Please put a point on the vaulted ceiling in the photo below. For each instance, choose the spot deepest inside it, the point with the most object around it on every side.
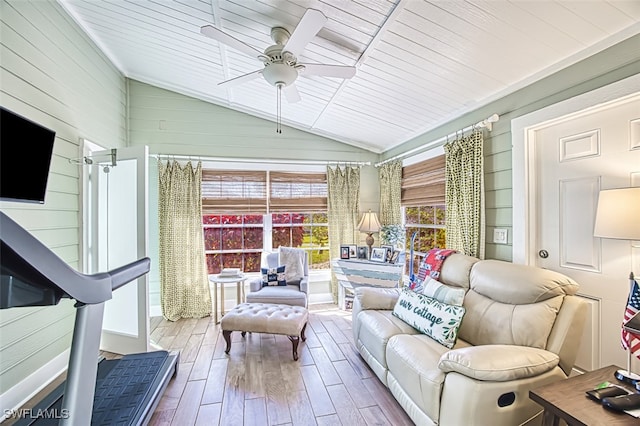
(419, 63)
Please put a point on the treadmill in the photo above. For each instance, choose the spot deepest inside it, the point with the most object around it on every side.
(122, 391)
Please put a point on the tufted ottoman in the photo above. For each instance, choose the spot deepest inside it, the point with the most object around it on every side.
(288, 320)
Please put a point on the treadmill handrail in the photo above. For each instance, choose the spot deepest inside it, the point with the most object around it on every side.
(85, 288)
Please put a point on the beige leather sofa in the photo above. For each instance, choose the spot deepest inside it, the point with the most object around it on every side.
(521, 330)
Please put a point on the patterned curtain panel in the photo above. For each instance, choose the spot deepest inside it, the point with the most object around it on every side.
(390, 175)
(464, 195)
(343, 206)
(184, 286)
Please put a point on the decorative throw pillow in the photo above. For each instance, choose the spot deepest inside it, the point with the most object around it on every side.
(443, 293)
(438, 320)
(273, 276)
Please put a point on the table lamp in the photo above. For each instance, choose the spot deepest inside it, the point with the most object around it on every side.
(369, 224)
(617, 217)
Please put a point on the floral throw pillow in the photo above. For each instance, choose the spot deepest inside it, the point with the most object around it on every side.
(438, 320)
(273, 276)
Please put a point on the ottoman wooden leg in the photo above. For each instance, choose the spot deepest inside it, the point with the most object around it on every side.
(227, 338)
(304, 339)
(294, 343)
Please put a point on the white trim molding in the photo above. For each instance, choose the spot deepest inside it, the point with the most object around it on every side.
(19, 394)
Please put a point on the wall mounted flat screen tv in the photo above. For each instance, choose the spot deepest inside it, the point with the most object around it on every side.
(25, 158)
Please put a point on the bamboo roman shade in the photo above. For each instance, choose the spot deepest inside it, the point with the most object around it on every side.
(234, 191)
(297, 192)
(423, 183)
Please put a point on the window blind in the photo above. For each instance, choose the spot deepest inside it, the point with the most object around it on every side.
(297, 192)
(423, 183)
(234, 191)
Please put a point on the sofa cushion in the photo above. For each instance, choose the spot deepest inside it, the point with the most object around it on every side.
(456, 269)
(413, 362)
(375, 330)
(273, 276)
(438, 320)
(443, 293)
(488, 322)
(498, 363)
(513, 304)
(516, 284)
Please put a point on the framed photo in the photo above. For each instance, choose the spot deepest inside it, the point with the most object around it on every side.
(379, 254)
(363, 252)
(344, 252)
(387, 255)
(353, 251)
(394, 257)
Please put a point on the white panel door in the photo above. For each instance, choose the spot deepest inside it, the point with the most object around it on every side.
(117, 234)
(576, 157)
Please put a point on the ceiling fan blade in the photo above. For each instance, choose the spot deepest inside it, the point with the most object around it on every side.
(324, 70)
(224, 38)
(240, 79)
(312, 21)
(291, 93)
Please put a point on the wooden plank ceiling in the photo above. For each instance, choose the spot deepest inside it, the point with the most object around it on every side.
(419, 63)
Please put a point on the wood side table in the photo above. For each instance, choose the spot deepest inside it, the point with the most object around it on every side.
(568, 401)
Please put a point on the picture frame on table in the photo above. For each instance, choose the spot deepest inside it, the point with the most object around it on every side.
(363, 252)
(378, 254)
(344, 252)
(389, 252)
(394, 257)
(353, 251)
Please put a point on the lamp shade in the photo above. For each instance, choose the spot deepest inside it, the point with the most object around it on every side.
(618, 214)
(369, 223)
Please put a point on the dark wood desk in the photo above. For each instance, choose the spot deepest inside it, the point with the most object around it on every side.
(567, 400)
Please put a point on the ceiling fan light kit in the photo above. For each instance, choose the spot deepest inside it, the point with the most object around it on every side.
(281, 67)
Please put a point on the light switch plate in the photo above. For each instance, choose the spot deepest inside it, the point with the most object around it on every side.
(500, 236)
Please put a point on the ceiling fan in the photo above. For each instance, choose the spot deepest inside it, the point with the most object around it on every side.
(281, 66)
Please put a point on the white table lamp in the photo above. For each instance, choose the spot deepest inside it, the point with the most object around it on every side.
(618, 217)
(369, 224)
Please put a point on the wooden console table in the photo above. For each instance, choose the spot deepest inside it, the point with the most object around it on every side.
(354, 273)
(567, 400)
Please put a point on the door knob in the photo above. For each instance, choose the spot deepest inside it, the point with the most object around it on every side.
(543, 254)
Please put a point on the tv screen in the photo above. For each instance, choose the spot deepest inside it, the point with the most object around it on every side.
(25, 157)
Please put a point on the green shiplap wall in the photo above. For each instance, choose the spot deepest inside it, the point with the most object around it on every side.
(608, 66)
(171, 123)
(53, 74)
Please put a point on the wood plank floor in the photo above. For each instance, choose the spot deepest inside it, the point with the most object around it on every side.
(258, 383)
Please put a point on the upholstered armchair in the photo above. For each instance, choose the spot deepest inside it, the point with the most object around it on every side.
(296, 263)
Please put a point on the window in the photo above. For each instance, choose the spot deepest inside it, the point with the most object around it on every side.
(247, 212)
(309, 231)
(423, 190)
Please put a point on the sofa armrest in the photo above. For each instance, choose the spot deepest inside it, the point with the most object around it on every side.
(304, 285)
(255, 285)
(498, 363)
(377, 298)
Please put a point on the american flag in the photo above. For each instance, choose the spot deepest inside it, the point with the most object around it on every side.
(630, 340)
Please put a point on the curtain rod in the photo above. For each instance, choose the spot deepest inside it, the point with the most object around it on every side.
(261, 160)
(487, 122)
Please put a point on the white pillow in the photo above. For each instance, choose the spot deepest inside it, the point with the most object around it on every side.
(438, 320)
(443, 293)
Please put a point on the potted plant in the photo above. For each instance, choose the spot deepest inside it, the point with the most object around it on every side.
(394, 235)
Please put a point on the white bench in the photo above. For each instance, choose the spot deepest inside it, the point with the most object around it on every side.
(287, 320)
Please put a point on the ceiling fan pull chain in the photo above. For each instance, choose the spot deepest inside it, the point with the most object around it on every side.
(279, 109)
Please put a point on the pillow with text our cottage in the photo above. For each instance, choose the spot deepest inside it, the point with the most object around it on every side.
(438, 320)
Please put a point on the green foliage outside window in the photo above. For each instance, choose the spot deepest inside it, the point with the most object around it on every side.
(429, 222)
